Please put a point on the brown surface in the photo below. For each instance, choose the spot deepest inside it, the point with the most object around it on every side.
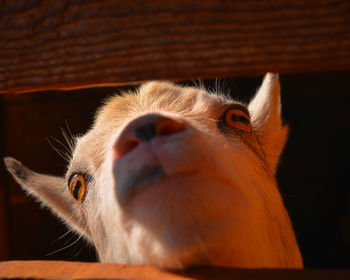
(66, 270)
(79, 270)
(4, 203)
(59, 44)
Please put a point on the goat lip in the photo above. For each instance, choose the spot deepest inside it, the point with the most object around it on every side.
(132, 183)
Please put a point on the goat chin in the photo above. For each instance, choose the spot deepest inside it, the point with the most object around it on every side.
(177, 177)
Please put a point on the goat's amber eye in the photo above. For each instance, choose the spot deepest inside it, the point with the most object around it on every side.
(238, 119)
(77, 187)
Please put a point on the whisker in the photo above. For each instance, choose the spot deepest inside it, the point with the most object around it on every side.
(69, 137)
(66, 156)
(67, 149)
(65, 247)
(62, 236)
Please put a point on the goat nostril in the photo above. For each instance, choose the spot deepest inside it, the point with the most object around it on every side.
(130, 145)
(124, 147)
(144, 129)
(160, 127)
(146, 132)
(169, 126)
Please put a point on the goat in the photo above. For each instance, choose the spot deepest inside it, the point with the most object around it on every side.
(176, 177)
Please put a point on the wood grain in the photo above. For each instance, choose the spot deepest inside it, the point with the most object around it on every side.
(52, 44)
(80, 270)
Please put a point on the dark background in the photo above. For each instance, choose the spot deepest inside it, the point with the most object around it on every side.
(312, 175)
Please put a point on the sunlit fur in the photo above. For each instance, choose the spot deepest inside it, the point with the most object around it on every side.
(218, 203)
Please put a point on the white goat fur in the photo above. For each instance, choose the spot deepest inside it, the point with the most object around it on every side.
(218, 202)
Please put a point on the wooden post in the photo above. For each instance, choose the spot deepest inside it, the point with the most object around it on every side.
(4, 201)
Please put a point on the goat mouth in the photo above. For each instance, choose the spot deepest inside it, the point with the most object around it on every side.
(130, 185)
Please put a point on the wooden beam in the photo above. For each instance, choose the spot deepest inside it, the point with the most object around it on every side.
(52, 44)
(80, 270)
(4, 194)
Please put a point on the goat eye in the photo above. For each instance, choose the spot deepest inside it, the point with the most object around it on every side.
(77, 187)
(237, 119)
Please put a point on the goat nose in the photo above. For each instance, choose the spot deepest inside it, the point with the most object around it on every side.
(146, 132)
(144, 129)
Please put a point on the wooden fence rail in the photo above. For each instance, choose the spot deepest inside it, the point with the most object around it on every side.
(80, 270)
(53, 44)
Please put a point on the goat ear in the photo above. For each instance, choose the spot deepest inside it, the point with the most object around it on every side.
(265, 111)
(49, 190)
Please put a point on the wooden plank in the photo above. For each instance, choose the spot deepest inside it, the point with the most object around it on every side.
(62, 45)
(80, 270)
